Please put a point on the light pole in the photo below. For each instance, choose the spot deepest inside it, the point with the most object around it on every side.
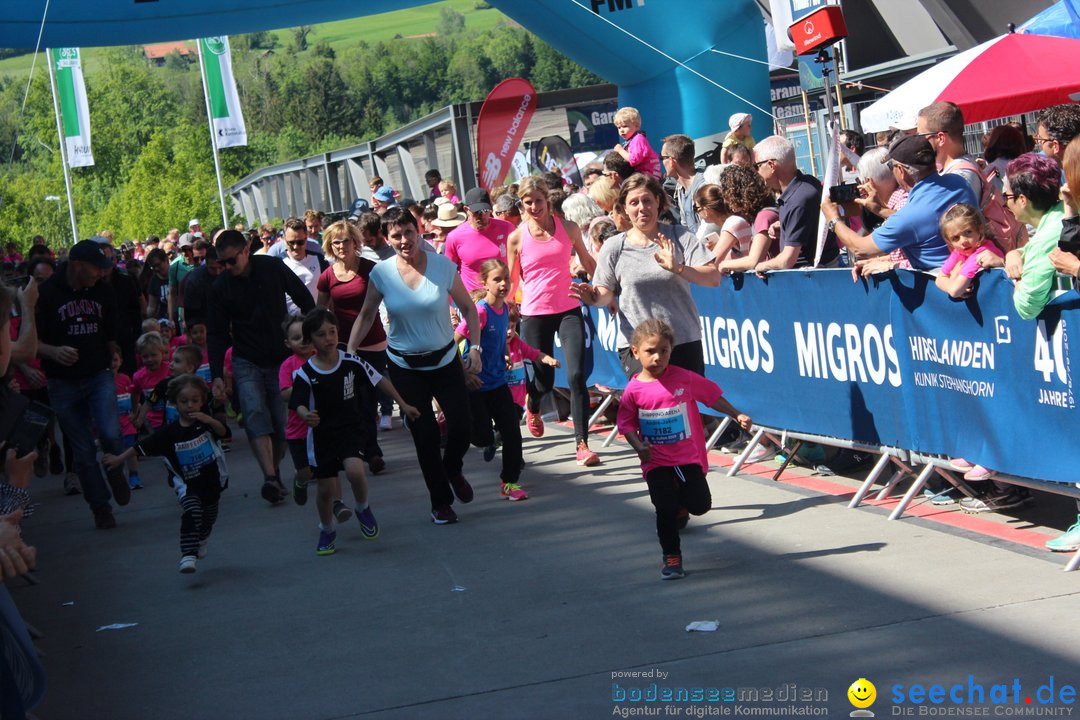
(59, 220)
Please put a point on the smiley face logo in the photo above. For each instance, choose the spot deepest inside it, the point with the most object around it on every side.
(862, 693)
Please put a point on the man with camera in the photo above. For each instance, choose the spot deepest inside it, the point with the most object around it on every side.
(76, 322)
(915, 226)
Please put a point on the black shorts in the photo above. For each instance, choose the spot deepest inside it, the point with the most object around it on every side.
(298, 453)
(327, 452)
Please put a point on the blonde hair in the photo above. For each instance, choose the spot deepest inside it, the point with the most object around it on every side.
(533, 184)
(628, 115)
(150, 341)
(448, 184)
(604, 193)
(337, 230)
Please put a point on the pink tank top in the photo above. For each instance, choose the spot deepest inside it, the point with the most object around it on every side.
(545, 272)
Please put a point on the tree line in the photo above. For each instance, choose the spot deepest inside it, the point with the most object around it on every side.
(153, 161)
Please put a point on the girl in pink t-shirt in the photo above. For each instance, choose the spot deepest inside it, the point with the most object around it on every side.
(968, 235)
(658, 415)
(127, 407)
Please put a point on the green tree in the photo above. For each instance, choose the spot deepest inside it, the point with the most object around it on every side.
(300, 37)
(451, 22)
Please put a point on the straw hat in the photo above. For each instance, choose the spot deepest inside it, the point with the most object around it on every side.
(449, 217)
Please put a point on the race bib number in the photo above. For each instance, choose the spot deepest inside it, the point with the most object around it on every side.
(516, 374)
(665, 426)
(194, 454)
(123, 403)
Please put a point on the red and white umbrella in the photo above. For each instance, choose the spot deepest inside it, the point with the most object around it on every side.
(1009, 75)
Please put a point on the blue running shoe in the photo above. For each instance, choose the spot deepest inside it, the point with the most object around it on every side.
(369, 527)
(326, 543)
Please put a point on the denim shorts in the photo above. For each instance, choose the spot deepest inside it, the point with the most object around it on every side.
(260, 399)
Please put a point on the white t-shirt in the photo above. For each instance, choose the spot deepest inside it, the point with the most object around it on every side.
(308, 271)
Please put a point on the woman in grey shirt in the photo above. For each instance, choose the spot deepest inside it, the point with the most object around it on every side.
(637, 269)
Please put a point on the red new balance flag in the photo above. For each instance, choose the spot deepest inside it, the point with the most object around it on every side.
(503, 119)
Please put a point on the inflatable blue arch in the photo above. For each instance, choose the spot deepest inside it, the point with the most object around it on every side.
(658, 52)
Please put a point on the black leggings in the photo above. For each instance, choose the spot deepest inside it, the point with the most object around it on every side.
(672, 488)
(447, 385)
(498, 405)
(369, 402)
(539, 331)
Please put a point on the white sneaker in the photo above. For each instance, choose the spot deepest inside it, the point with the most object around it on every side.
(187, 564)
(204, 549)
(386, 422)
(762, 453)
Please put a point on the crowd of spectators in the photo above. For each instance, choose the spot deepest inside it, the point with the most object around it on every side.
(620, 241)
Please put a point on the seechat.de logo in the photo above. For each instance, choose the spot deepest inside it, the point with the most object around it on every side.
(613, 5)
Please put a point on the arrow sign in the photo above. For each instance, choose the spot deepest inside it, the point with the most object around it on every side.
(580, 130)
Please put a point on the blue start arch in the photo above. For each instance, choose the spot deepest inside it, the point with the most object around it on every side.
(658, 52)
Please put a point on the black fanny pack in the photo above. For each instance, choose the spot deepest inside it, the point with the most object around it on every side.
(424, 359)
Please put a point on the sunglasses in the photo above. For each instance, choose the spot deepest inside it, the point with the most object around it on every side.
(759, 163)
(1009, 196)
(296, 243)
(229, 262)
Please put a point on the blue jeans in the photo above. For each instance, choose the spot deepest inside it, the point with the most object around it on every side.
(83, 406)
(260, 400)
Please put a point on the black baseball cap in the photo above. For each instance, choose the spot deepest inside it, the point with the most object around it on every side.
(478, 200)
(912, 150)
(90, 252)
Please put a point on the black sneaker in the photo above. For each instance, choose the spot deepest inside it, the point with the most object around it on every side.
(672, 568)
(997, 500)
(462, 489)
(299, 490)
(443, 515)
(376, 464)
(121, 491)
(342, 512)
(103, 518)
(273, 492)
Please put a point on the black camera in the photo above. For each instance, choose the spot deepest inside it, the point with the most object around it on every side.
(844, 193)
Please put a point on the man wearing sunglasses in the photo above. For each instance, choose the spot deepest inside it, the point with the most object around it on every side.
(914, 227)
(481, 238)
(677, 157)
(307, 267)
(178, 270)
(247, 306)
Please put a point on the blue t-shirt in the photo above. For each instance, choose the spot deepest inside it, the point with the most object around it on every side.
(420, 318)
(915, 227)
(493, 325)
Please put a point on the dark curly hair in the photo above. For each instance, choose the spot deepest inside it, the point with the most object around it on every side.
(744, 191)
(1062, 122)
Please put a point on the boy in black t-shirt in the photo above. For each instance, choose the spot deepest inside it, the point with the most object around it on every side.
(326, 397)
(192, 454)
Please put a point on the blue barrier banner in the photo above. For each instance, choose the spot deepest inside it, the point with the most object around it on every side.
(892, 361)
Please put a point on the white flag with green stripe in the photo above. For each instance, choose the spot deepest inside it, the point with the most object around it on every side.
(226, 118)
(74, 112)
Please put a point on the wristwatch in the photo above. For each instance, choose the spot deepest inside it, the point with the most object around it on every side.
(831, 225)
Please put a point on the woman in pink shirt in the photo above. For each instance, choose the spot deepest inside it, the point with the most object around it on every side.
(539, 253)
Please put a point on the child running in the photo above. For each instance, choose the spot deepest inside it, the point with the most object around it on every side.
(185, 361)
(127, 408)
(968, 235)
(151, 348)
(326, 398)
(492, 400)
(658, 415)
(196, 465)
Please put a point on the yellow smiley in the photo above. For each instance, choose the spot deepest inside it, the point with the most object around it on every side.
(862, 693)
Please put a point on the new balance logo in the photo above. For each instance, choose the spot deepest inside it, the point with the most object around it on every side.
(613, 5)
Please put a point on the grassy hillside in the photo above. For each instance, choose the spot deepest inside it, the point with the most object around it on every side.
(341, 34)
